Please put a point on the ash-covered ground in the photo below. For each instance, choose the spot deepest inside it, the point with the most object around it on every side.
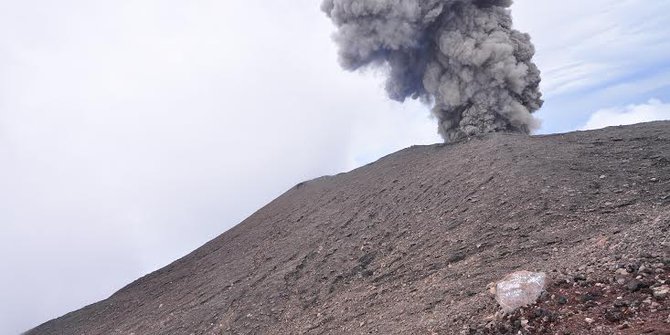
(408, 244)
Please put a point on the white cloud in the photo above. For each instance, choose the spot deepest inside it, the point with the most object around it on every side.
(587, 44)
(654, 110)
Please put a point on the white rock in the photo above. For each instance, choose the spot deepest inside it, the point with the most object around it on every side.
(519, 289)
(622, 272)
(661, 291)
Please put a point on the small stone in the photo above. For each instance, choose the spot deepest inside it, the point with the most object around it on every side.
(620, 303)
(589, 320)
(661, 291)
(632, 267)
(491, 288)
(613, 315)
(588, 297)
(603, 176)
(668, 319)
(634, 285)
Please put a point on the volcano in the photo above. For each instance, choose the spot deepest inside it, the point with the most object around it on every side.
(408, 245)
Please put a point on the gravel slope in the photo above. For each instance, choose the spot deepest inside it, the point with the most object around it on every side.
(408, 244)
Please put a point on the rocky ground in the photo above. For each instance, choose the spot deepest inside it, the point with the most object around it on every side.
(409, 244)
(614, 295)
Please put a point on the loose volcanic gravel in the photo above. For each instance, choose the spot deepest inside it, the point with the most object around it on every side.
(408, 245)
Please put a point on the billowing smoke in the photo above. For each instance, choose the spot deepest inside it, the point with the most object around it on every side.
(460, 56)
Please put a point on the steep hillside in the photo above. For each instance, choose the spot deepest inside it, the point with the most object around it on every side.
(408, 244)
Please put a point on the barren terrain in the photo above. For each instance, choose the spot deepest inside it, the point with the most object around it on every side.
(408, 244)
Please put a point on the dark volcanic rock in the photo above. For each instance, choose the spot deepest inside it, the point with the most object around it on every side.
(407, 245)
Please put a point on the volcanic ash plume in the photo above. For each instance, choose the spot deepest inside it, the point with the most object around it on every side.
(461, 56)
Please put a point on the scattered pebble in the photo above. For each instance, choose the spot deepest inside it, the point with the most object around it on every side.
(661, 292)
(634, 285)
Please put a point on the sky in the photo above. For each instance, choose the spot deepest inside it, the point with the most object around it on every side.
(133, 131)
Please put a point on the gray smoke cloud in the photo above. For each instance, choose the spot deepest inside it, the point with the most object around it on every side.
(461, 56)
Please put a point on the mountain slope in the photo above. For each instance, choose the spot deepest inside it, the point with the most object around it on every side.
(409, 243)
